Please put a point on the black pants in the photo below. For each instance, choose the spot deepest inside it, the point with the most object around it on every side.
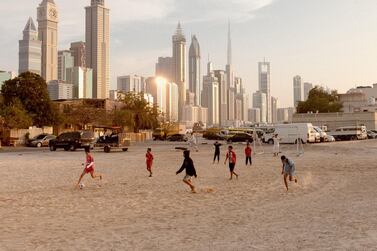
(217, 155)
(248, 159)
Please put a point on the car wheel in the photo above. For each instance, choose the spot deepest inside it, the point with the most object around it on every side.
(353, 138)
(271, 141)
(72, 148)
(106, 149)
(52, 148)
(39, 145)
(66, 148)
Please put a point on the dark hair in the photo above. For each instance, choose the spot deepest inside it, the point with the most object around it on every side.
(149, 149)
(186, 153)
(87, 149)
(230, 147)
(283, 157)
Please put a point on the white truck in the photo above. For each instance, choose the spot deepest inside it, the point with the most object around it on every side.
(350, 133)
(292, 133)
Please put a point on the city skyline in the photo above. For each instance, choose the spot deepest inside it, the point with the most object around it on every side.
(344, 59)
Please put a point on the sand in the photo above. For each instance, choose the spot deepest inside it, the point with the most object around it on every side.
(333, 207)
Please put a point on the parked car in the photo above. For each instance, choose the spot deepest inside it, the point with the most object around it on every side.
(40, 140)
(329, 138)
(213, 136)
(177, 137)
(322, 134)
(70, 141)
(241, 137)
(371, 135)
(350, 133)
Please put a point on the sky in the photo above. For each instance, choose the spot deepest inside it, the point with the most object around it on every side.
(327, 42)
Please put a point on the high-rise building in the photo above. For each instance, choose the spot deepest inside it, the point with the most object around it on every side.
(223, 96)
(48, 34)
(82, 80)
(79, 53)
(172, 96)
(4, 76)
(157, 87)
(265, 87)
(58, 90)
(230, 81)
(179, 67)
(164, 68)
(98, 46)
(274, 109)
(30, 50)
(254, 115)
(260, 101)
(298, 91)
(210, 98)
(283, 115)
(65, 61)
(131, 83)
(307, 88)
(195, 82)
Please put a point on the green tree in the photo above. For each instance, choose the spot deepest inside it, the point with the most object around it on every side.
(31, 90)
(15, 116)
(83, 115)
(136, 113)
(321, 101)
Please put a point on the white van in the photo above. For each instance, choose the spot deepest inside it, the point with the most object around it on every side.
(292, 133)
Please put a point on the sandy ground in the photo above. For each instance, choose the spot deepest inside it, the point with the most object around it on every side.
(333, 207)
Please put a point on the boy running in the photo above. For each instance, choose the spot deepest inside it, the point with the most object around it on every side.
(149, 161)
(188, 164)
(89, 167)
(288, 170)
(217, 152)
(248, 153)
(231, 156)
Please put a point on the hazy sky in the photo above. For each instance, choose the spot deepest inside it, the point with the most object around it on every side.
(328, 42)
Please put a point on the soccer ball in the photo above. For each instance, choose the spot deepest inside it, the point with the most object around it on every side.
(81, 185)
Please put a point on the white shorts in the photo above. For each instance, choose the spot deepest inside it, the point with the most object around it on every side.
(187, 177)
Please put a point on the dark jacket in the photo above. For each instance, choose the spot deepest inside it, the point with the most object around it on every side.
(188, 164)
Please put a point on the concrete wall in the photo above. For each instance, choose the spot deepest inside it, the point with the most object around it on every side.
(334, 120)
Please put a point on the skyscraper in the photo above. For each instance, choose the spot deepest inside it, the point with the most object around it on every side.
(131, 83)
(98, 46)
(223, 96)
(260, 101)
(298, 91)
(30, 50)
(82, 80)
(210, 98)
(179, 67)
(65, 61)
(274, 109)
(265, 87)
(158, 87)
(195, 83)
(230, 80)
(79, 53)
(48, 34)
(307, 88)
(164, 68)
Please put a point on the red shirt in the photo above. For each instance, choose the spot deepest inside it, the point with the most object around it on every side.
(248, 151)
(149, 158)
(231, 156)
(89, 161)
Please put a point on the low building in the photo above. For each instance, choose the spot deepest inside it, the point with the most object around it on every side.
(335, 120)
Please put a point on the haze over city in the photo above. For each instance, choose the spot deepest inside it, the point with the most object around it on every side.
(331, 43)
